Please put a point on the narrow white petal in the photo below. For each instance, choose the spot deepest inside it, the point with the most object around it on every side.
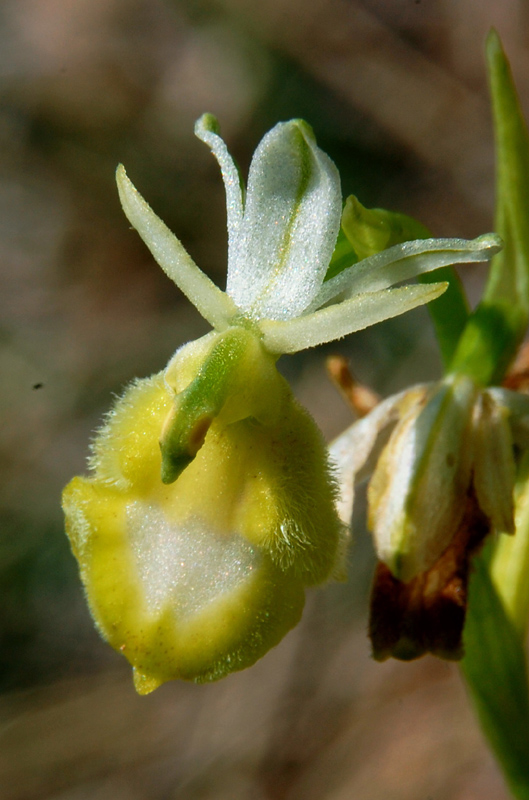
(213, 304)
(206, 129)
(290, 226)
(404, 261)
(337, 321)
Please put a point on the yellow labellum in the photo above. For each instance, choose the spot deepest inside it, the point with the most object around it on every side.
(199, 577)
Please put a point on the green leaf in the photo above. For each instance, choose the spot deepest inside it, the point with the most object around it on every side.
(489, 342)
(495, 669)
(509, 276)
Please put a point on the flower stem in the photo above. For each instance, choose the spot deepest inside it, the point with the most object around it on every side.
(495, 670)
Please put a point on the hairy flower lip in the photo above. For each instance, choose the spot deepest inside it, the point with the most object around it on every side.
(257, 500)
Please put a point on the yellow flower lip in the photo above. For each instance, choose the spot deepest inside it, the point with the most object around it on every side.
(200, 576)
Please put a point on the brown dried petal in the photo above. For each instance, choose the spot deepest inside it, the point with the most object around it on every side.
(427, 615)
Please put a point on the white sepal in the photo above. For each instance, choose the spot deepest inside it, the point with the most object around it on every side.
(354, 453)
(291, 222)
(416, 495)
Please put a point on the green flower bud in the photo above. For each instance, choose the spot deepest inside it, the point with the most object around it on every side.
(371, 230)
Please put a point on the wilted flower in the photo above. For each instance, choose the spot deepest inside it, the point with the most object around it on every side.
(442, 458)
(210, 505)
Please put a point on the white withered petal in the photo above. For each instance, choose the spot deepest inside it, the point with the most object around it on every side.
(427, 448)
(414, 494)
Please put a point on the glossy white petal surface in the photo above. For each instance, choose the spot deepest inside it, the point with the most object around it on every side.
(185, 566)
(291, 222)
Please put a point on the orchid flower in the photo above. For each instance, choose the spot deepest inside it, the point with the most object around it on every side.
(210, 505)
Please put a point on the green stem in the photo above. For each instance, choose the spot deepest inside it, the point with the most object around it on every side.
(495, 669)
(495, 664)
(489, 342)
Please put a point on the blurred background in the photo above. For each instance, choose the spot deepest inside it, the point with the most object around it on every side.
(396, 92)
